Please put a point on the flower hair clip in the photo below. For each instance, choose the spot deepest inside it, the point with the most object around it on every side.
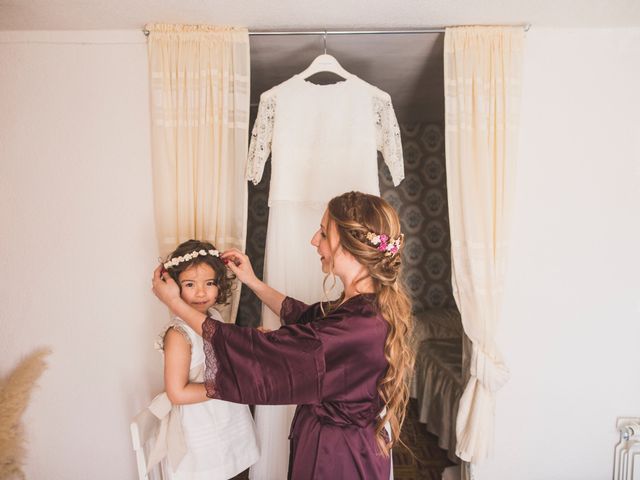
(175, 261)
(384, 243)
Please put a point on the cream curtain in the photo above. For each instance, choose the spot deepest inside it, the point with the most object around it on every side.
(199, 81)
(482, 68)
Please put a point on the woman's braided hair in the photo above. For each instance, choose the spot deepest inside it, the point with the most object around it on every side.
(356, 215)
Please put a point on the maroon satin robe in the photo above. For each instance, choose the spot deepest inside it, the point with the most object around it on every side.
(329, 365)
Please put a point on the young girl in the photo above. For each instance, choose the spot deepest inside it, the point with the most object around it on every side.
(217, 439)
(344, 363)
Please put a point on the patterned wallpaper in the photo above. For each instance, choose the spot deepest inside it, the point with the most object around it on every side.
(421, 200)
(250, 307)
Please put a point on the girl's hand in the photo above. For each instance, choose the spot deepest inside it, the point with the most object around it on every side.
(240, 265)
(164, 286)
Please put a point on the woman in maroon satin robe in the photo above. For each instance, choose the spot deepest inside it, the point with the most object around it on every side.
(344, 363)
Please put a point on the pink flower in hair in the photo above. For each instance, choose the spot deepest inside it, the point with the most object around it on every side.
(384, 243)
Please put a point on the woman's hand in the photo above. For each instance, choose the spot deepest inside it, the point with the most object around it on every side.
(164, 286)
(240, 265)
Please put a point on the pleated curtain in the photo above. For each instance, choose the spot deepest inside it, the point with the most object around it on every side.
(199, 88)
(482, 68)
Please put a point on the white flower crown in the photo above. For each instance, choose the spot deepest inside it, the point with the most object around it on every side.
(175, 261)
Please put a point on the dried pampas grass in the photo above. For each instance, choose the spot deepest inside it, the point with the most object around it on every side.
(15, 392)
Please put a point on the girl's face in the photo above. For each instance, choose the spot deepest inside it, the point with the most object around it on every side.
(327, 243)
(198, 286)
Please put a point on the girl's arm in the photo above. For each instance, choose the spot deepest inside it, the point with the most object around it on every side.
(169, 293)
(177, 359)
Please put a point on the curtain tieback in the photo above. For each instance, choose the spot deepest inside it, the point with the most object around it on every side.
(490, 371)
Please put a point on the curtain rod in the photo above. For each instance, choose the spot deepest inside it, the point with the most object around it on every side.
(352, 32)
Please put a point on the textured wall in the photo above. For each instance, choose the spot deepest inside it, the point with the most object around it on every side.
(249, 309)
(421, 201)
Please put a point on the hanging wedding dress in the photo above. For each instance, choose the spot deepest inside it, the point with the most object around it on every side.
(324, 141)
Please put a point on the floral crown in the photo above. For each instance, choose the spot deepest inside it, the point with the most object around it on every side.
(384, 243)
(175, 261)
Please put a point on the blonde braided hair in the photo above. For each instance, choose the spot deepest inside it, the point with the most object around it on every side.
(356, 215)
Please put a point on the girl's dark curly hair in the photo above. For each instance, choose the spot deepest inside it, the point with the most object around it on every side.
(224, 277)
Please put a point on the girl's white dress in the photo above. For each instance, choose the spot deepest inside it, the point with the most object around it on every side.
(219, 436)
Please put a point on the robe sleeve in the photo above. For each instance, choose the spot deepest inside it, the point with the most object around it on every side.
(293, 311)
(388, 140)
(282, 367)
(261, 137)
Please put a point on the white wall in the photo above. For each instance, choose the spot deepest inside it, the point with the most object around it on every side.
(78, 244)
(571, 320)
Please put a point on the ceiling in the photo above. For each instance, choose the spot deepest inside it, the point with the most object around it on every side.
(347, 14)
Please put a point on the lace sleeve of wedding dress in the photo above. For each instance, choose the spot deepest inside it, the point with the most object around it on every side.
(261, 136)
(388, 139)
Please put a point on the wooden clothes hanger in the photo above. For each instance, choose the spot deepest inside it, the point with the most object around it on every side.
(325, 63)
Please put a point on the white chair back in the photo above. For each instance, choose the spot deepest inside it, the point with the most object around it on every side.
(143, 433)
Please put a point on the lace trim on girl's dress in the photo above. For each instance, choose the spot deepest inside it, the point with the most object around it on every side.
(209, 328)
(178, 326)
(261, 137)
(388, 140)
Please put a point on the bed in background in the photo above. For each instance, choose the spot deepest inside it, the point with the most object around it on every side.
(441, 371)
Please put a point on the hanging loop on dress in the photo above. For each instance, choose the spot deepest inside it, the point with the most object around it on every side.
(325, 41)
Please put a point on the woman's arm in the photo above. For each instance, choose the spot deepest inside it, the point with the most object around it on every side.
(267, 295)
(240, 265)
(283, 367)
(177, 360)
